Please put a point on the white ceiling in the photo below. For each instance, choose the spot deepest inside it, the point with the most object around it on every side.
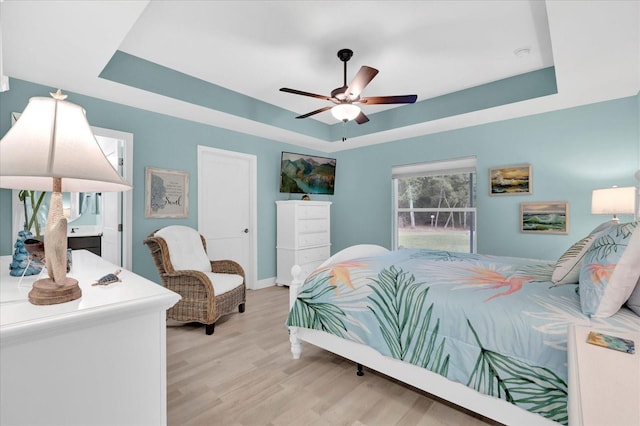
(429, 48)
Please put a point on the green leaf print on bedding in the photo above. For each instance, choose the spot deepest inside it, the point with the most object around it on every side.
(397, 302)
(310, 311)
(534, 388)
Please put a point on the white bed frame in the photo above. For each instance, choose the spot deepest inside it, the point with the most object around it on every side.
(435, 384)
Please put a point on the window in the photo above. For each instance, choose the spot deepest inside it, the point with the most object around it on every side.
(435, 205)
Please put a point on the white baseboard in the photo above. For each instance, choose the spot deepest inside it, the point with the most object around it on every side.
(267, 282)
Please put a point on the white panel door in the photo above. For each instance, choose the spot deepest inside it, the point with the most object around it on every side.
(111, 247)
(226, 206)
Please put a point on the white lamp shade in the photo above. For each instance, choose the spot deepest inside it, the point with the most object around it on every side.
(52, 138)
(613, 200)
(345, 112)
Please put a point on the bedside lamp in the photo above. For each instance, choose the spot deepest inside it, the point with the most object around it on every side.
(613, 201)
(51, 148)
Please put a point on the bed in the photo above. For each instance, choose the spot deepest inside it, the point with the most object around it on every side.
(486, 333)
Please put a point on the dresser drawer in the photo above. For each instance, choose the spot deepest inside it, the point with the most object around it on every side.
(313, 225)
(318, 255)
(314, 239)
(312, 212)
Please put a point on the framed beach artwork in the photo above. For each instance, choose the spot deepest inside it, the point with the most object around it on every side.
(544, 217)
(166, 193)
(510, 180)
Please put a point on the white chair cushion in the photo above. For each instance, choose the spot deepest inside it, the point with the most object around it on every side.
(223, 283)
(185, 248)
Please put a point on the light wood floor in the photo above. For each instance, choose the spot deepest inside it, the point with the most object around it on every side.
(243, 374)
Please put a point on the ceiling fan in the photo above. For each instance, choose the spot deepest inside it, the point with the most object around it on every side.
(347, 98)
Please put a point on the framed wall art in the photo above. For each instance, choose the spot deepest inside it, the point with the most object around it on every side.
(510, 180)
(166, 193)
(544, 217)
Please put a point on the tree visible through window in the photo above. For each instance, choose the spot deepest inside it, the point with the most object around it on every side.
(436, 211)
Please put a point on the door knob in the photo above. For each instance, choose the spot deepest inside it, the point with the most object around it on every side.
(246, 230)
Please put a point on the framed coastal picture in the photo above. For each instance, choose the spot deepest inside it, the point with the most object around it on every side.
(511, 180)
(544, 217)
(166, 193)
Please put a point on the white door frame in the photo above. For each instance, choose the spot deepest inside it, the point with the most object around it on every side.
(127, 196)
(252, 277)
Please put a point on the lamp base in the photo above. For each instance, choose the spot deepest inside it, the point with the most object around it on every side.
(46, 292)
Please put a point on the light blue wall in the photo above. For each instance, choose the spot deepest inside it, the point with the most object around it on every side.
(164, 142)
(572, 152)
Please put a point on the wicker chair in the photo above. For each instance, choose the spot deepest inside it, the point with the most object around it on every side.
(199, 302)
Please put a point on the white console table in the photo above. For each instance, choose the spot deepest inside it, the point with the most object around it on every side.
(100, 359)
(604, 384)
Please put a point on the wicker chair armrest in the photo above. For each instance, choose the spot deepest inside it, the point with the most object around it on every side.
(227, 267)
(189, 278)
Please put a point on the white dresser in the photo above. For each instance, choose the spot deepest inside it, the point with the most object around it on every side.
(97, 360)
(304, 236)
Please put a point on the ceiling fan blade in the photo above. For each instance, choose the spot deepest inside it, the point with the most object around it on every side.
(405, 99)
(361, 118)
(315, 112)
(300, 92)
(360, 81)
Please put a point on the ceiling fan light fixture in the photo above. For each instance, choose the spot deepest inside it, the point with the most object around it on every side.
(345, 112)
(345, 96)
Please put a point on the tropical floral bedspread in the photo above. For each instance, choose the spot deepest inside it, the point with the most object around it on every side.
(495, 324)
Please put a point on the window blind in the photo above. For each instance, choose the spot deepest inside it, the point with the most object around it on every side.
(435, 168)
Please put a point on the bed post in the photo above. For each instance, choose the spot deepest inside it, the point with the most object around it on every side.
(294, 289)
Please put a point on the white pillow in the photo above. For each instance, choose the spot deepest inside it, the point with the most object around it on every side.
(602, 292)
(634, 300)
(352, 252)
(185, 248)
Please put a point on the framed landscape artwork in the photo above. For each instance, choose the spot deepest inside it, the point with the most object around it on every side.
(510, 180)
(166, 193)
(544, 217)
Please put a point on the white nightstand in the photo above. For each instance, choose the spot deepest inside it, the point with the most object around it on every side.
(604, 384)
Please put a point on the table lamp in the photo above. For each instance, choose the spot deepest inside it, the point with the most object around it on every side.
(52, 148)
(613, 201)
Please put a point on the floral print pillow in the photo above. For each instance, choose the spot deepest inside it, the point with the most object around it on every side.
(610, 270)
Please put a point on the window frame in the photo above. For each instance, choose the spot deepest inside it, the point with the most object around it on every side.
(432, 169)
